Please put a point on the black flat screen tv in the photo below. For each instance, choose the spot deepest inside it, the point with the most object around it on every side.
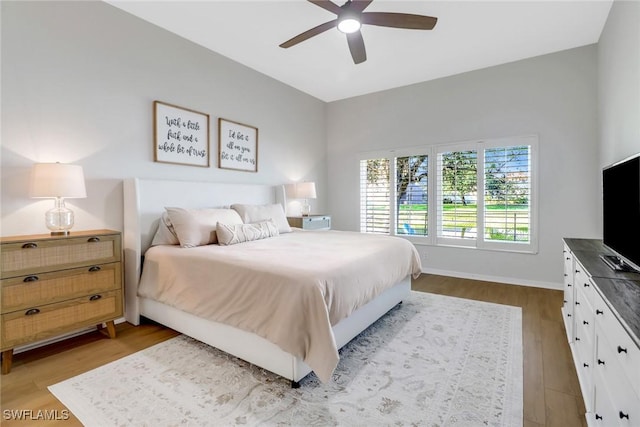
(621, 211)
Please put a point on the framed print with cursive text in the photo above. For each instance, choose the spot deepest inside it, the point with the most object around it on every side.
(237, 146)
(181, 135)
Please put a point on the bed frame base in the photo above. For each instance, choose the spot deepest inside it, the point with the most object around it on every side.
(257, 350)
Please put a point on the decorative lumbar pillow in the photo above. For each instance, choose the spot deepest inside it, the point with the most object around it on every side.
(165, 235)
(239, 233)
(256, 213)
(197, 227)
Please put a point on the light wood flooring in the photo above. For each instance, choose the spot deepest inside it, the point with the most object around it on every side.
(551, 392)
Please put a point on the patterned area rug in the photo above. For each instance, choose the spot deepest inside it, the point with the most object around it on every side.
(432, 361)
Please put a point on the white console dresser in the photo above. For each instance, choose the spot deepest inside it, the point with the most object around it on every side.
(601, 313)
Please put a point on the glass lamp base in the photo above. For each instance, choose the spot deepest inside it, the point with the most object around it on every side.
(305, 209)
(59, 220)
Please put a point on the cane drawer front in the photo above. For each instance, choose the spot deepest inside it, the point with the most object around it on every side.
(37, 323)
(33, 290)
(40, 254)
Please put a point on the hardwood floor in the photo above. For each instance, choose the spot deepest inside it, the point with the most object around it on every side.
(24, 389)
(551, 392)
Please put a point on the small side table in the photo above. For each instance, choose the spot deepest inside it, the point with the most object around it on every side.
(311, 222)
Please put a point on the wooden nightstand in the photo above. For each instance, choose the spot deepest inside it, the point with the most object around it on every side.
(51, 285)
(311, 222)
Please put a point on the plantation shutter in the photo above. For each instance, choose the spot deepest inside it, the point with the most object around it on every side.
(507, 194)
(375, 196)
(457, 195)
(412, 195)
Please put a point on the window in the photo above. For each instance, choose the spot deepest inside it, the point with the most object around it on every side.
(411, 195)
(375, 195)
(507, 192)
(457, 200)
(481, 194)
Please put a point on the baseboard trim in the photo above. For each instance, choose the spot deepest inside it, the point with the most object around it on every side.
(497, 279)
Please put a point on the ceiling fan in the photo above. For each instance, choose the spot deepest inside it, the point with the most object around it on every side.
(351, 17)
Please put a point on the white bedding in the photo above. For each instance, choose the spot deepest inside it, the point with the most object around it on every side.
(289, 289)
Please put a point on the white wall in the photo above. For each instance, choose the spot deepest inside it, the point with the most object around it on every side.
(78, 84)
(79, 79)
(619, 83)
(554, 96)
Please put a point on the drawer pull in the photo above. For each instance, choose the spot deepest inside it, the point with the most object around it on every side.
(95, 297)
(584, 322)
(31, 312)
(577, 302)
(622, 349)
(93, 239)
(586, 285)
(577, 271)
(599, 312)
(568, 285)
(585, 365)
(31, 279)
(94, 268)
(568, 314)
(565, 301)
(30, 246)
(623, 415)
(600, 362)
(598, 417)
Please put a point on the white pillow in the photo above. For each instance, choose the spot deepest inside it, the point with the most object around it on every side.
(239, 233)
(257, 213)
(165, 235)
(197, 227)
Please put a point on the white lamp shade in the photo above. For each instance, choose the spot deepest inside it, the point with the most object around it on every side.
(306, 190)
(57, 180)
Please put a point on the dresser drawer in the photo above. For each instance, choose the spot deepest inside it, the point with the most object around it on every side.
(617, 383)
(39, 289)
(585, 326)
(618, 344)
(583, 284)
(312, 222)
(53, 319)
(32, 257)
(604, 412)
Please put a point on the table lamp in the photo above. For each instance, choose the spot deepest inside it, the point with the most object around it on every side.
(306, 191)
(58, 181)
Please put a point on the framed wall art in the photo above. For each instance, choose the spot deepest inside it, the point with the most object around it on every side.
(237, 146)
(180, 135)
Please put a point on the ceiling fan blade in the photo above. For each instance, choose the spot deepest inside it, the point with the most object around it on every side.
(309, 33)
(356, 46)
(399, 20)
(327, 5)
(360, 5)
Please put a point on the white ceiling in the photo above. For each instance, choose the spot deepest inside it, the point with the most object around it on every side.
(469, 35)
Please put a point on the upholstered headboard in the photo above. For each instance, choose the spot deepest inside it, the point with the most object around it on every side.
(144, 203)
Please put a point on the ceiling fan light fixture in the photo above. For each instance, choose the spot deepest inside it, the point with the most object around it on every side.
(348, 25)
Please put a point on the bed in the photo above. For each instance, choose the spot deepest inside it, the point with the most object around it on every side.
(309, 322)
